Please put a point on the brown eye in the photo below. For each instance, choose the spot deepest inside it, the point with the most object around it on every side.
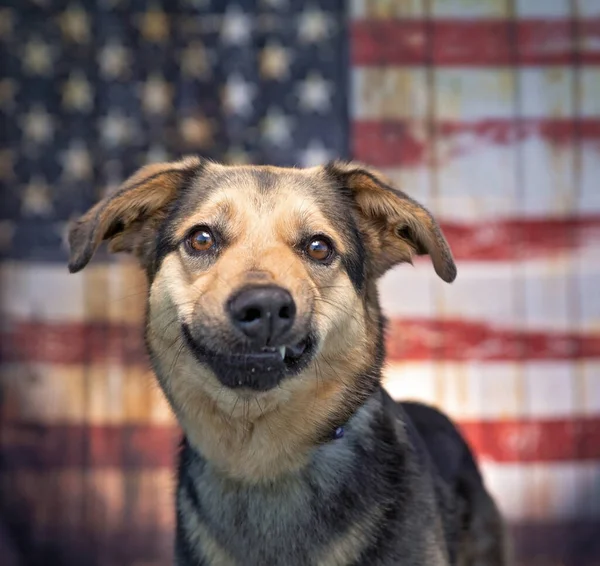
(319, 249)
(201, 240)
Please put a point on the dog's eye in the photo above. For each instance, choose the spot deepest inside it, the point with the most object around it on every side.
(201, 240)
(319, 249)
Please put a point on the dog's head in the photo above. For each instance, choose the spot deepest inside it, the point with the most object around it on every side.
(263, 279)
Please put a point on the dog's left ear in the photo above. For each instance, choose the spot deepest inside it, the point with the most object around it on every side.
(396, 226)
(129, 216)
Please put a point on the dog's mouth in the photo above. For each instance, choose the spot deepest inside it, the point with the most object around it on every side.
(259, 370)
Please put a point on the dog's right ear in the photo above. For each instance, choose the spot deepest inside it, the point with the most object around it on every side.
(133, 210)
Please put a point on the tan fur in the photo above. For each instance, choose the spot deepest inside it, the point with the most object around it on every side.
(347, 548)
(242, 433)
(385, 214)
(137, 205)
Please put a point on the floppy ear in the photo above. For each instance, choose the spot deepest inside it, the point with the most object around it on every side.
(396, 226)
(130, 215)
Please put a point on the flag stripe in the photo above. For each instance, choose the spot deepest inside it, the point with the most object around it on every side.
(476, 43)
(468, 340)
(81, 343)
(544, 491)
(392, 143)
(97, 506)
(112, 394)
(33, 446)
(472, 95)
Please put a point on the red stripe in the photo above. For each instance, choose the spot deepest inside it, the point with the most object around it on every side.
(408, 340)
(535, 441)
(73, 343)
(152, 446)
(397, 143)
(41, 447)
(476, 43)
(536, 237)
(457, 340)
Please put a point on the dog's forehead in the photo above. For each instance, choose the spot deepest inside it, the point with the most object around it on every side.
(267, 181)
(260, 189)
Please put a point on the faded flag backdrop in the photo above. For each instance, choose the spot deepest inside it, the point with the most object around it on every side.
(487, 111)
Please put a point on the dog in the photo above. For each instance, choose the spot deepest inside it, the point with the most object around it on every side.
(264, 329)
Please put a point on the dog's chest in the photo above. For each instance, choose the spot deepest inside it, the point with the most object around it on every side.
(285, 523)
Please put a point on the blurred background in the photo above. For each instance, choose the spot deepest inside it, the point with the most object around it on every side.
(487, 111)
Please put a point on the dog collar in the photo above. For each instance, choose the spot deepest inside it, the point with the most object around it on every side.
(338, 433)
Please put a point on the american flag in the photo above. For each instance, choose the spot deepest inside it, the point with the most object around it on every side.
(486, 111)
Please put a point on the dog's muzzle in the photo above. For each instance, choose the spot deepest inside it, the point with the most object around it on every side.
(266, 348)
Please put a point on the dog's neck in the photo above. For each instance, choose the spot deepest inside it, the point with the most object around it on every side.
(328, 508)
(255, 440)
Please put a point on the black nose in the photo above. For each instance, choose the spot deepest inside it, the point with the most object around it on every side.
(263, 314)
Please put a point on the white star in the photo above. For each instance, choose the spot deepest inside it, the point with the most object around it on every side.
(7, 231)
(274, 62)
(36, 198)
(313, 25)
(196, 130)
(315, 94)
(7, 164)
(6, 23)
(315, 154)
(77, 164)
(276, 127)
(8, 90)
(114, 60)
(154, 25)
(116, 129)
(74, 24)
(156, 95)
(236, 26)
(239, 95)
(77, 93)
(38, 125)
(38, 57)
(194, 60)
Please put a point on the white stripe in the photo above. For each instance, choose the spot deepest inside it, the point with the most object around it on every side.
(588, 196)
(475, 391)
(389, 93)
(469, 94)
(544, 9)
(465, 93)
(475, 10)
(545, 492)
(98, 394)
(376, 9)
(543, 294)
(588, 8)
(546, 294)
(590, 92)
(499, 390)
(480, 179)
(546, 92)
(46, 292)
